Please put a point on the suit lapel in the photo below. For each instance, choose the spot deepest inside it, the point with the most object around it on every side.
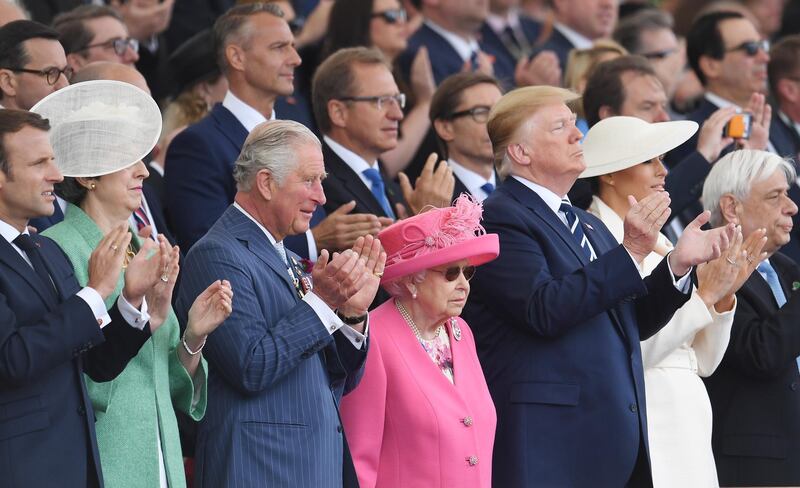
(13, 260)
(229, 126)
(352, 182)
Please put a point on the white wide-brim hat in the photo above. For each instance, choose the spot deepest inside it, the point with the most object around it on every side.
(99, 127)
(617, 143)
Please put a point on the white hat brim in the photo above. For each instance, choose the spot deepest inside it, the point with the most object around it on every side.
(618, 143)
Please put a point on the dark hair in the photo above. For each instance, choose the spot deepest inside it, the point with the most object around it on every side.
(71, 25)
(70, 190)
(348, 26)
(335, 79)
(12, 37)
(629, 30)
(784, 62)
(448, 97)
(13, 121)
(231, 27)
(705, 39)
(604, 86)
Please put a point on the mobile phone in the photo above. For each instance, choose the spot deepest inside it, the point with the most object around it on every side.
(739, 126)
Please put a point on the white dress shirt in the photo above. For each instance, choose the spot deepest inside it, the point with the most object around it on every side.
(578, 40)
(352, 160)
(472, 180)
(464, 47)
(328, 317)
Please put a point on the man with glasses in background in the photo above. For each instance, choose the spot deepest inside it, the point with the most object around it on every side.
(358, 108)
(32, 64)
(459, 112)
(95, 33)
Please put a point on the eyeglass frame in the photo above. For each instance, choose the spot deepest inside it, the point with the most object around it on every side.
(472, 114)
(449, 275)
(379, 100)
(131, 42)
(746, 47)
(67, 71)
(392, 15)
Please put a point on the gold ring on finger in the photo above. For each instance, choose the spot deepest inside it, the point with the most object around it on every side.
(114, 247)
(730, 261)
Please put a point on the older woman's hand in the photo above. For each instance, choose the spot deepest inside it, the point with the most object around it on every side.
(105, 263)
(370, 250)
(159, 297)
(752, 247)
(145, 270)
(209, 310)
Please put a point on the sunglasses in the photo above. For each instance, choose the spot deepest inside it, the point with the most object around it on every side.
(751, 48)
(452, 273)
(392, 16)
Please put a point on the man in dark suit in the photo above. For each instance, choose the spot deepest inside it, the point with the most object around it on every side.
(578, 23)
(459, 111)
(51, 330)
(287, 353)
(559, 315)
(754, 391)
(199, 167)
(358, 108)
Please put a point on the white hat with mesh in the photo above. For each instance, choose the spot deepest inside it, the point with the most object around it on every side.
(99, 127)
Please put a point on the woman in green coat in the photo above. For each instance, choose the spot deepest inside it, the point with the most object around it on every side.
(136, 427)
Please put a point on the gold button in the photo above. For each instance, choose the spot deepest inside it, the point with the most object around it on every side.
(473, 460)
(467, 421)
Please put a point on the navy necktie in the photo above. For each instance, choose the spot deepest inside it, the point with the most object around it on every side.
(487, 188)
(577, 230)
(473, 60)
(24, 242)
(377, 189)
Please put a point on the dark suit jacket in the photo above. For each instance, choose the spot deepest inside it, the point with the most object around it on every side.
(445, 61)
(560, 45)
(505, 57)
(46, 419)
(700, 114)
(343, 185)
(755, 392)
(276, 373)
(558, 339)
(43, 223)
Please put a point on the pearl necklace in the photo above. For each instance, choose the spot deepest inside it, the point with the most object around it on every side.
(414, 328)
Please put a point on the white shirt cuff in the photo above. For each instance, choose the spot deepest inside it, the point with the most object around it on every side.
(134, 318)
(332, 322)
(356, 338)
(312, 246)
(682, 284)
(635, 263)
(96, 303)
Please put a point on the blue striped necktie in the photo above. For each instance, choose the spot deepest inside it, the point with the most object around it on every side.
(377, 189)
(577, 230)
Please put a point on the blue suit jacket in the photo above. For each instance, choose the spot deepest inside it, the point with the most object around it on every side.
(445, 61)
(276, 375)
(560, 45)
(505, 62)
(558, 339)
(46, 419)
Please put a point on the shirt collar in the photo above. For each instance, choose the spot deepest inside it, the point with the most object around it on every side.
(719, 101)
(9, 232)
(463, 47)
(263, 229)
(578, 40)
(472, 180)
(552, 200)
(499, 23)
(789, 122)
(353, 160)
(244, 113)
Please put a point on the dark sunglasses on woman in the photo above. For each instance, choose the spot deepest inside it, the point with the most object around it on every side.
(392, 16)
(452, 273)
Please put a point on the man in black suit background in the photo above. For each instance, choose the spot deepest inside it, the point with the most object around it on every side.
(51, 330)
(754, 392)
(578, 23)
(459, 112)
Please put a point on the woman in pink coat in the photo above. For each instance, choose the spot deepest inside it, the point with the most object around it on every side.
(422, 415)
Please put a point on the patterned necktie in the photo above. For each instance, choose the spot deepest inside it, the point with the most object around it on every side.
(282, 252)
(24, 242)
(140, 216)
(377, 189)
(487, 188)
(473, 60)
(768, 272)
(577, 230)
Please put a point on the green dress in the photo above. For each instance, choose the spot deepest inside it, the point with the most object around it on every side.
(136, 409)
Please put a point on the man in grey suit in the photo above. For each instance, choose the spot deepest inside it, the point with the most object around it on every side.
(288, 352)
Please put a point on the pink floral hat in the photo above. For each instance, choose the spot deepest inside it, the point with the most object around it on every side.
(436, 237)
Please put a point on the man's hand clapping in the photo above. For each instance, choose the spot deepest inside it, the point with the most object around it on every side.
(434, 188)
(697, 246)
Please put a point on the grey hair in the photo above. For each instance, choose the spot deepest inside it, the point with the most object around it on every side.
(398, 288)
(272, 146)
(735, 173)
(233, 28)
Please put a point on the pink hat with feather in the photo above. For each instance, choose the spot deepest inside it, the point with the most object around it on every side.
(438, 236)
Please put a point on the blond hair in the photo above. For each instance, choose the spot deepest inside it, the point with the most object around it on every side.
(513, 110)
(581, 62)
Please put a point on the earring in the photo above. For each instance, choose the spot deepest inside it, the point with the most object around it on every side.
(92, 186)
(414, 295)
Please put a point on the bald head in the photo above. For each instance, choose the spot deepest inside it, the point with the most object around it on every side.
(9, 12)
(106, 70)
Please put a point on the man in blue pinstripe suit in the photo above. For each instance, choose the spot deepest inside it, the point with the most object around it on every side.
(281, 362)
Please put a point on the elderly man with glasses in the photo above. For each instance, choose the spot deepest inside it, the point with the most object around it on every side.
(32, 64)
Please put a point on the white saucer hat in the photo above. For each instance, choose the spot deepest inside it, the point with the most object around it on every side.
(99, 127)
(617, 143)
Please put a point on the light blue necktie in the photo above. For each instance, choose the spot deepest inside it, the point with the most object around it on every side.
(377, 189)
(577, 230)
(768, 273)
(487, 188)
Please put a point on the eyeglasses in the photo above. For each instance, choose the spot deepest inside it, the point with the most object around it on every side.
(751, 48)
(479, 114)
(452, 273)
(382, 101)
(659, 54)
(119, 45)
(51, 75)
(392, 16)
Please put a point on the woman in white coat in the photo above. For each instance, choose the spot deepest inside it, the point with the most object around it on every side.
(623, 155)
